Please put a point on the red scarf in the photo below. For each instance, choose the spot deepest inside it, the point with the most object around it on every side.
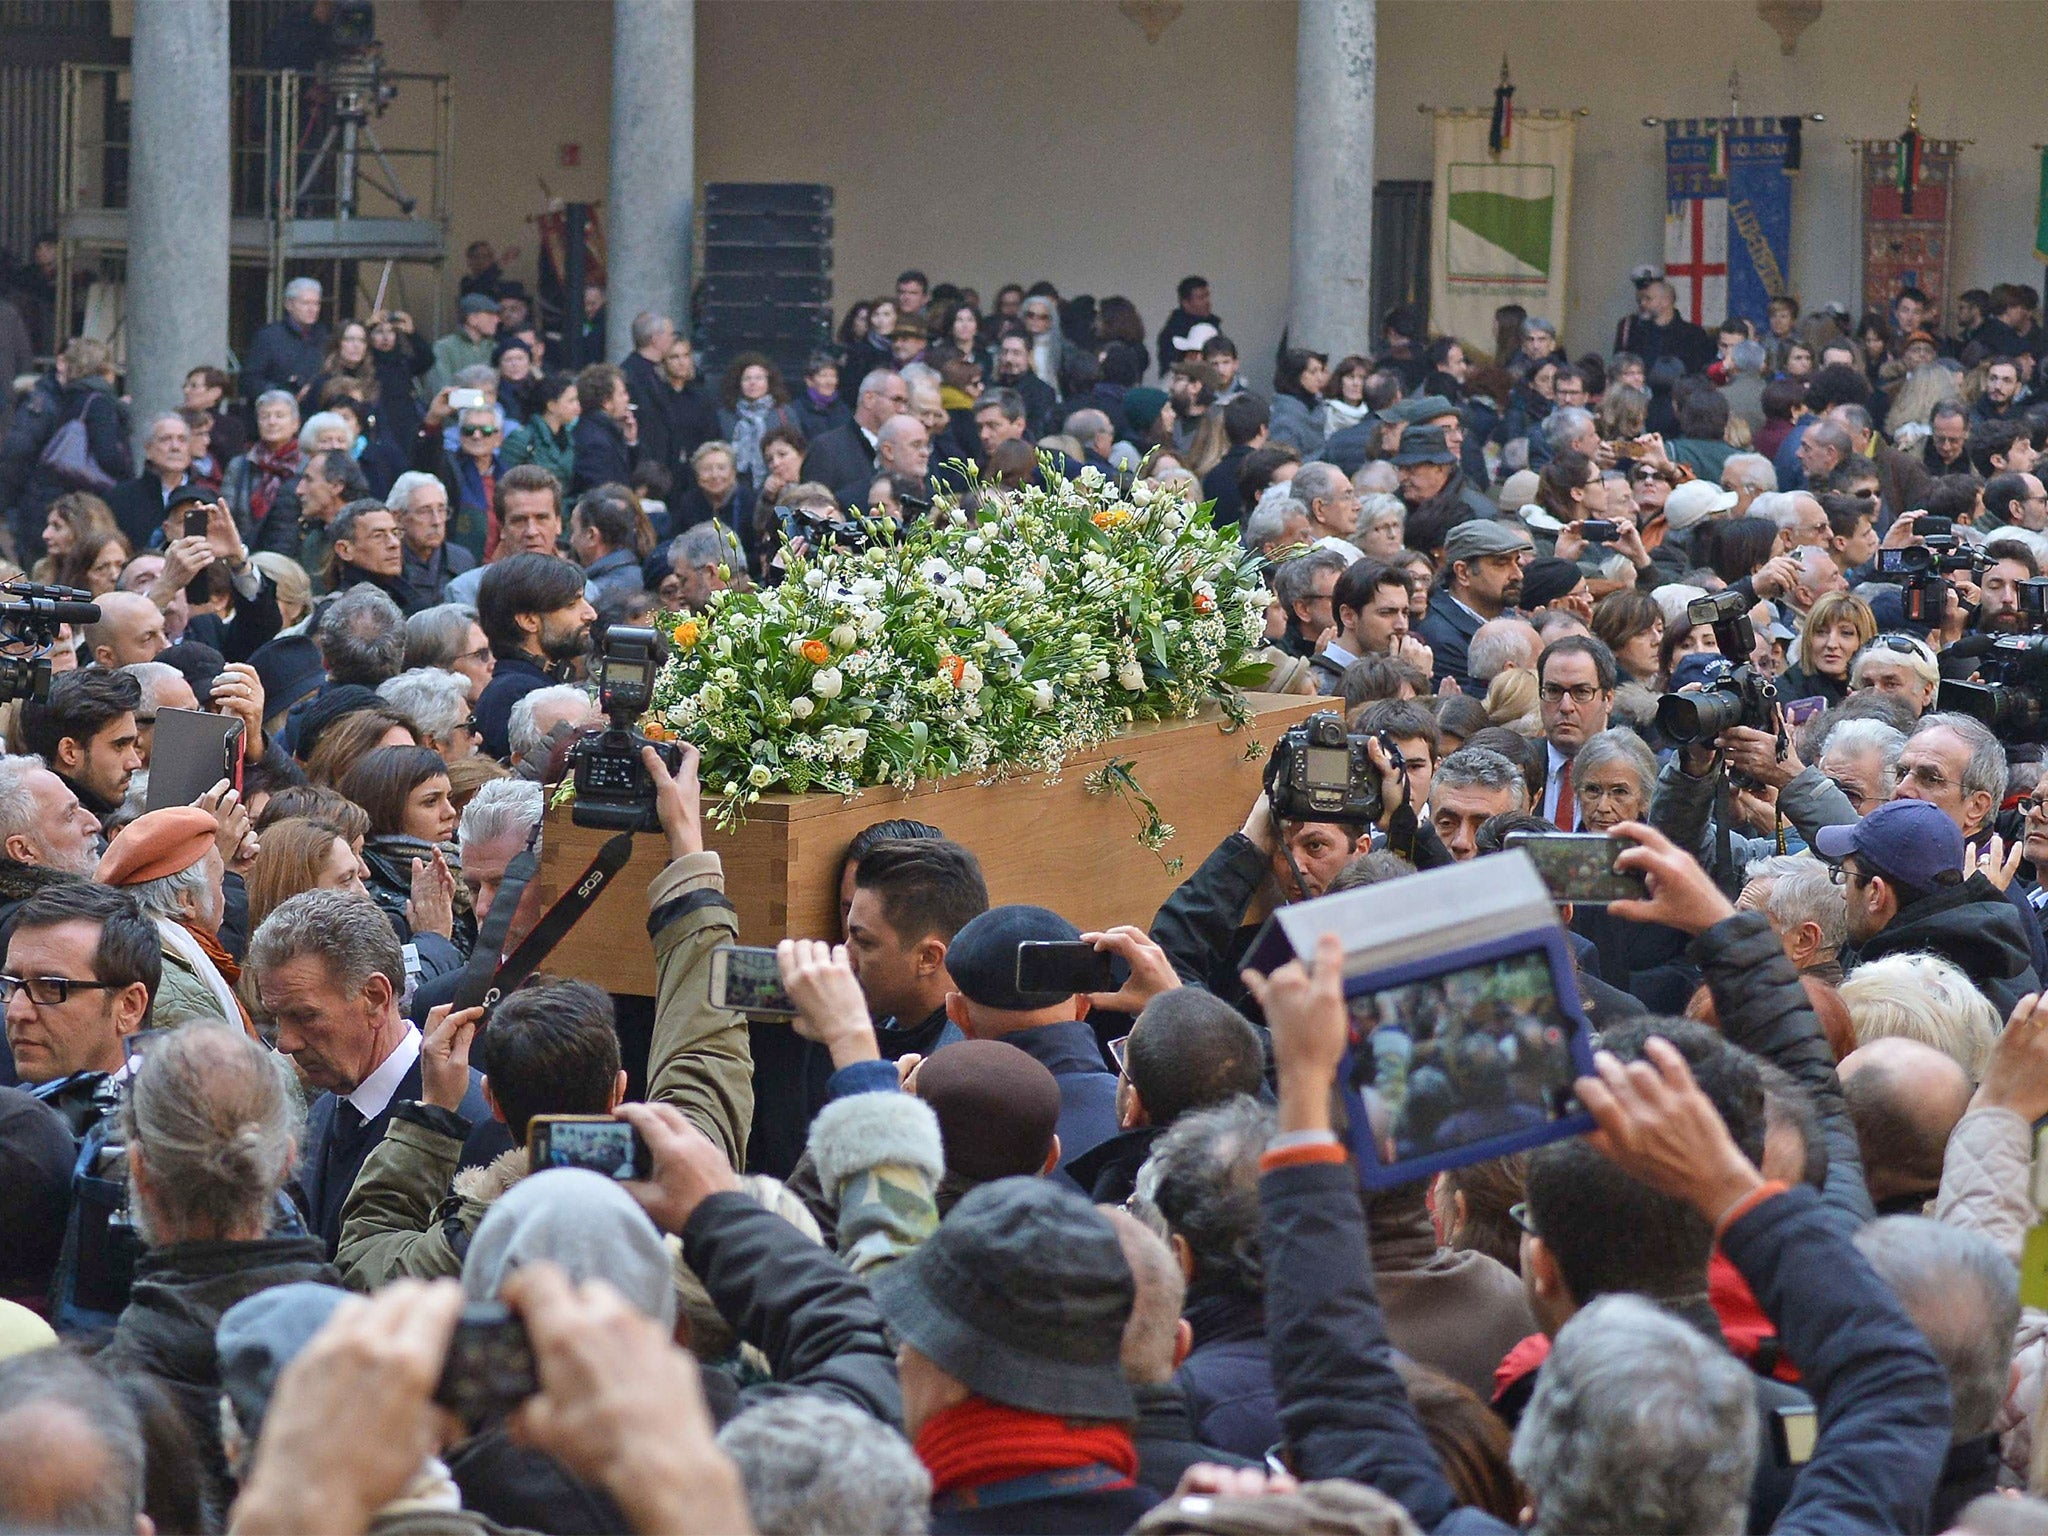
(230, 972)
(975, 1443)
(271, 468)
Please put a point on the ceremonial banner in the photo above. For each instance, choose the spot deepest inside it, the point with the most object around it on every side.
(1907, 245)
(1727, 216)
(1498, 223)
(2041, 213)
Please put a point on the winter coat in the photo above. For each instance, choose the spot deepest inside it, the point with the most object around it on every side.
(553, 451)
(402, 1218)
(1295, 424)
(1973, 927)
(31, 483)
(1682, 808)
(601, 453)
(1453, 1310)
(283, 356)
(1227, 1376)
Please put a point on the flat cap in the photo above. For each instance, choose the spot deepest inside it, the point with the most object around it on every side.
(156, 844)
(1479, 537)
(982, 959)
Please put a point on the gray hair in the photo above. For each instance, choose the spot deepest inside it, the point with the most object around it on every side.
(314, 425)
(159, 419)
(1986, 770)
(435, 701)
(815, 1467)
(216, 1118)
(1267, 522)
(1294, 579)
(877, 381)
(152, 675)
(361, 635)
(1203, 1177)
(1638, 1423)
(647, 325)
(434, 636)
(703, 544)
(1853, 416)
(527, 739)
(1746, 356)
(1377, 507)
(1480, 768)
(164, 896)
(348, 933)
(1918, 659)
(1565, 424)
(1376, 477)
(1617, 745)
(32, 1386)
(1497, 645)
(477, 376)
(302, 287)
(1086, 424)
(399, 499)
(1318, 481)
(278, 397)
(1754, 472)
(1831, 434)
(502, 806)
(1861, 736)
(1963, 1295)
(1925, 998)
(18, 814)
(1803, 891)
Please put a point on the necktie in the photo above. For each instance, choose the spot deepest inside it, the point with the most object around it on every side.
(1567, 810)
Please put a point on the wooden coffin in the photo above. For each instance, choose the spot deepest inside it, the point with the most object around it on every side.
(1054, 843)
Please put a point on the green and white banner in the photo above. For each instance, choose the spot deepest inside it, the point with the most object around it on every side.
(1498, 222)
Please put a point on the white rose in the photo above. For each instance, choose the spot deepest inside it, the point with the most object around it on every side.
(970, 678)
(843, 637)
(711, 697)
(827, 683)
(973, 544)
(760, 776)
(1041, 698)
(974, 576)
(1099, 672)
(800, 708)
(1131, 676)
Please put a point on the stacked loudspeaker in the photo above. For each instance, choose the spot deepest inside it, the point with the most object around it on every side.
(767, 283)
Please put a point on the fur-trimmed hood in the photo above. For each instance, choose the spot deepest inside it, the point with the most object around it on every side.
(482, 1186)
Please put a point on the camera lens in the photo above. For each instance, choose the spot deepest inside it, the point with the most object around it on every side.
(1693, 717)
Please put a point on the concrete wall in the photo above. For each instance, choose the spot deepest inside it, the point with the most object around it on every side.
(1048, 138)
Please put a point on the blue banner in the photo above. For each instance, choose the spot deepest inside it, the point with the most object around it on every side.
(1759, 217)
(1728, 216)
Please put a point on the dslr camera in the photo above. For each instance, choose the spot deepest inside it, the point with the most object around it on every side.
(1922, 570)
(1321, 772)
(2014, 672)
(613, 788)
(1735, 692)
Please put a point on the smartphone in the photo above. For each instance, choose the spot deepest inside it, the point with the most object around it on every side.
(748, 979)
(1579, 866)
(596, 1142)
(1599, 530)
(1794, 1429)
(489, 1367)
(465, 399)
(1063, 969)
(190, 752)
(196, 514)
(1799, 711)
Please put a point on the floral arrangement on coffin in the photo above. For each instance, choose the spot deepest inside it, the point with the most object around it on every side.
(1003, 634)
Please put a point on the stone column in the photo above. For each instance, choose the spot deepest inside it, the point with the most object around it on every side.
(178, 201)
(1330, 282)
(654, 165)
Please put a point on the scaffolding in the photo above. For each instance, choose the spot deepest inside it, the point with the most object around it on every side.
(328, 171)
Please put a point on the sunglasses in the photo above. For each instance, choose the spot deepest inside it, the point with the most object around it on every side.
(1117, 1048)
(479, 431)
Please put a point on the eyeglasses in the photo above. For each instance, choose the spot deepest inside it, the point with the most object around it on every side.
(470, 725)
(50, 991)
(1117, 1048)
(1580, 693)
(1845, 872)
(1908, 645)
(478, 656)
(479, 431)
(1518, 1213)
(2029, 804)
(1927, 776)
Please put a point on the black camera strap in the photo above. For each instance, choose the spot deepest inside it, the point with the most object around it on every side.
(484, 982)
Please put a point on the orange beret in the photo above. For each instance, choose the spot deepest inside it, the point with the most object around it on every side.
(156, 844)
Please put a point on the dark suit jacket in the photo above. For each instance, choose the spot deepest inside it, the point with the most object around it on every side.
(840, 457)
(138, 507)
(603, 456)
(332, 1158)
(1087, 1090)
(1447, 629)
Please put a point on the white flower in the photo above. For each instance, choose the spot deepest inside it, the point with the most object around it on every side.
(711, 697)
(827, 683)
(1041, 698)
(760, 776)
(843, 637)
(1099, 672)
(936, 571)
(1131, 676)
(975, 577)
(729, 676)
(800, 708)
(973, 544)
(970, 678)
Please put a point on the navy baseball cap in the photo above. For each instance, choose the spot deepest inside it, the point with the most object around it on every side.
(982, 959)
(1909, 842)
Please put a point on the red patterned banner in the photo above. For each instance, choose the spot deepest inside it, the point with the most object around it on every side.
(1901, 249)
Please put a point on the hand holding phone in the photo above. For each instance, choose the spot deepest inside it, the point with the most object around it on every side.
(1578, 867)
(465, 399)
(1064, 968)
(688, 1167)
(748, 979)
(599, 1144)
(489, 1369)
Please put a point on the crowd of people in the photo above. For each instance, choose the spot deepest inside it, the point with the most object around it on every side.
(942, 1253)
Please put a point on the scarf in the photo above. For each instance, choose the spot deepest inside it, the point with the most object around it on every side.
(479, 493)
(975, 1443)
(753, 417)
(193, 946)
(1339, 414)
(269, 469)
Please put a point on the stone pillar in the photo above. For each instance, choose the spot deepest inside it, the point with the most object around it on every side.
(178, 201)
(1330, 281)
(654, 165)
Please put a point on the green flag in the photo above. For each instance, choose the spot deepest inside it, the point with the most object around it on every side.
(2041, 213)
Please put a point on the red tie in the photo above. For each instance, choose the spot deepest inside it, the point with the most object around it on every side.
(1567, 810)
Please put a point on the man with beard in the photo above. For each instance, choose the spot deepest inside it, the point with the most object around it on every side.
(1482, 580)
(46, 836)
(1013, 371)
(533, 612)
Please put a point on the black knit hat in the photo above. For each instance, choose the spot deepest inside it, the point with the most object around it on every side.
(982, 959)
(1022, 1296)
(1547, 580)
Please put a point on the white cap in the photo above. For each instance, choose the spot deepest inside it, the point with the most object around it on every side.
(1695, 502)
(1198, 337)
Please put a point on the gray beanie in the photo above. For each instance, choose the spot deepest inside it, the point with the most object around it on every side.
(582, 1222)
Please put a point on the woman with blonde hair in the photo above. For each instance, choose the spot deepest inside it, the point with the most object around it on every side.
(71, 518)
(1919, 392)
(1511, 700)
(1924, 998)
(1838, 625)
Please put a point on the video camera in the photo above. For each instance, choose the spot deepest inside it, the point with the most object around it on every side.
(2014, 670)
(30, 616)
(1319, 772)
(613, 788)
(1735, 694)
(822, 530)
(1922, 571)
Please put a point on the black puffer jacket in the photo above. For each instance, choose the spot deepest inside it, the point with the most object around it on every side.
(1972, 926)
